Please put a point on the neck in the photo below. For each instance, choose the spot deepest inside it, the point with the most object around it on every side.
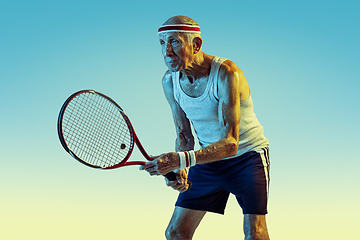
(199, 67)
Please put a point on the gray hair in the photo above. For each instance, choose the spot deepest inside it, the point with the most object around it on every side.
(187, 21)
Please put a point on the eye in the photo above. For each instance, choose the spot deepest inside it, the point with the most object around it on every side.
(175, 42)
(162, 42)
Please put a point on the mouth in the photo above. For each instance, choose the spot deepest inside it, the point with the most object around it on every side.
(172, 63)
(170, 60)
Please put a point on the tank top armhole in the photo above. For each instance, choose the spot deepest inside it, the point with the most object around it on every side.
(176, 86)
(215, 68)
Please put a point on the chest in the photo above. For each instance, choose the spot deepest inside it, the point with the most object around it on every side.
(193, 88)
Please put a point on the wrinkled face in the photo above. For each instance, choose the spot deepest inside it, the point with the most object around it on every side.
(177, 52)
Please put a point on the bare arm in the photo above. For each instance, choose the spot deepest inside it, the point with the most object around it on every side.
(232, 88)
(184, 137)
(229, 92)
(168, 162)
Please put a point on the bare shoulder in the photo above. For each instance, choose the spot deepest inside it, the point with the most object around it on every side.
(167, 79)
(167, 83)
(168, 87)
(229, 68)
(232, 77)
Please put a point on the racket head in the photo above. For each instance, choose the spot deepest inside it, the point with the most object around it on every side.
(94, 130)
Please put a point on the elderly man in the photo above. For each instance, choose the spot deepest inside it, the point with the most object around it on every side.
(212, 94)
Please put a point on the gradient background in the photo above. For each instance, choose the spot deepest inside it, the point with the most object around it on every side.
(301, 59)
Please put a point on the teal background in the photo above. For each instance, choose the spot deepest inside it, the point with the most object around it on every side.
(301, 59)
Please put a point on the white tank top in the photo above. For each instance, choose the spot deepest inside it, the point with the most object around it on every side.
(204, 115)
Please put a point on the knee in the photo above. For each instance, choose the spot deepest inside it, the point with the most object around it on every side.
(174, 233)
(255, 227)
(169, 232)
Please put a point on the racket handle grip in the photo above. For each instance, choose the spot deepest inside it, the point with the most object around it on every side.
(171, 176)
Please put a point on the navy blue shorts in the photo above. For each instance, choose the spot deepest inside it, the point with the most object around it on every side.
(246, 176)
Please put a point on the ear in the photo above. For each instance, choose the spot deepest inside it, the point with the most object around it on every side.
(197, 43)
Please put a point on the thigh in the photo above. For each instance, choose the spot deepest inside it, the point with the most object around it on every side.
(183, 223)
(248, 180)
(206, 192)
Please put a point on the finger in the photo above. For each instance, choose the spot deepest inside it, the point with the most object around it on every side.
(171, 183)
(154, 174)
(183, 188)
(178, 187)
(153, 171)
(147, 165)
(154, 157)
(174, 184)
(179, 178)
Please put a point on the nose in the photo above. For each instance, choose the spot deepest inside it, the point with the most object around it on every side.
(168, 50)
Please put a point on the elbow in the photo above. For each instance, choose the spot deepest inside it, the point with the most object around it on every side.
(232, 148)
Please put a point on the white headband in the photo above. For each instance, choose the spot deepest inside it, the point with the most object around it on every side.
(179, 28)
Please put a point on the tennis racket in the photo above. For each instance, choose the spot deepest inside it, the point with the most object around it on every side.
(94, 130)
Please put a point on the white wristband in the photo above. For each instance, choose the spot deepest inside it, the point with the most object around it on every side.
(187, 159)
(182, 160)
(192, 158)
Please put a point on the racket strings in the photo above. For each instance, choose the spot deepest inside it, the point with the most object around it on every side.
(95, 130)
(75, 137)
(104, 131)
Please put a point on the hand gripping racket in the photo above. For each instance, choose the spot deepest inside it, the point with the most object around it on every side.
(94, 130)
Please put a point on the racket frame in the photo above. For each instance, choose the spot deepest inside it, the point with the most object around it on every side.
(171, 175)
(135, 139)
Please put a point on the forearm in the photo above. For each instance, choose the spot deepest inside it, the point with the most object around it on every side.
(224, 148)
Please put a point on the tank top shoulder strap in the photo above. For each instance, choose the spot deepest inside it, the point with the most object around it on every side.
(214, 75)
(176, 85)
